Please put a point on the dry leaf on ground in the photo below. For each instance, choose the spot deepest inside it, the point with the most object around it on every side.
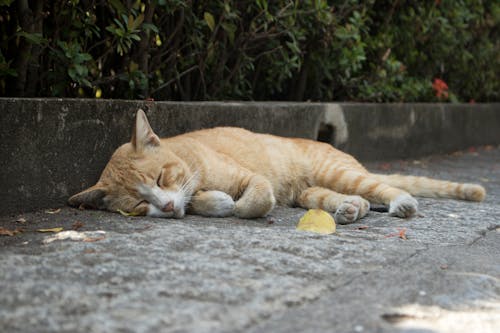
(318, 221)
(401, 234)
(59, 229)
(52, 211)
(127, 214)
(8, 232)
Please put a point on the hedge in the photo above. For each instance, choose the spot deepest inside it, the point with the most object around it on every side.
(318, 50)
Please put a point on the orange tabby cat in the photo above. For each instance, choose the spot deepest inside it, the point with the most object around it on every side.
(231, 171)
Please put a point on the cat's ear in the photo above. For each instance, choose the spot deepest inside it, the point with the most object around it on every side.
(143, 135)
(91, 198)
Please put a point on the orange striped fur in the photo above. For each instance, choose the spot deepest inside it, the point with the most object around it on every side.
(231, 171)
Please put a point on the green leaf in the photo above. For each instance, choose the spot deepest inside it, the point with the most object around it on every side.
(230, 29)
(137, 22)
(111, 29)
(135, 37)
(86, 83)
(150, 26)
(35, 37)
(118, 6)
(6, 2)
(72, 73)
(210, 20)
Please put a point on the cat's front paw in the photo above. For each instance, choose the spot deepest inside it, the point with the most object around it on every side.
(403, 206)
(352, 209)
(212, 204)
(251, 207)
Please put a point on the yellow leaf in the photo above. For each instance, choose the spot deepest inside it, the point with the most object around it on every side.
(127, 214)
(210, 20)
(318, 221)
(51, 230)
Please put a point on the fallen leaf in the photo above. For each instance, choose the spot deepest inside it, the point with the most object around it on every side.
(401, 234)
(53, 211)
(21, 220)
(59, 229)
(318, 221)
(77, 225)
(7, 232)
(127, 214)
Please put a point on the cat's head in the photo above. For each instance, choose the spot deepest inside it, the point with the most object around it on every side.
(143, 177)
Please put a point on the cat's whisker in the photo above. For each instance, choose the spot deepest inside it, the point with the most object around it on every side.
(189, 184)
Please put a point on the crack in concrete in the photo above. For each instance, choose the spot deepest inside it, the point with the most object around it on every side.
(482, 233)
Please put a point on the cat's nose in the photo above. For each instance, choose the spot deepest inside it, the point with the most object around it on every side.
(168, 207)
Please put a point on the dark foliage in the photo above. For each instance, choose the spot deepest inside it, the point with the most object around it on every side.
(350, 50)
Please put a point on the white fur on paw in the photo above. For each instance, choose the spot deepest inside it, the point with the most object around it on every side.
(352, 209)
(403, 206)
(213, 203)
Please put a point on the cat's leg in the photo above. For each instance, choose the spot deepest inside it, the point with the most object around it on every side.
(346, 208)
(257, 197)
(347, 181)
(211, 204)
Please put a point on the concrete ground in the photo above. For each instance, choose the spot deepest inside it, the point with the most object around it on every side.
(437, 272)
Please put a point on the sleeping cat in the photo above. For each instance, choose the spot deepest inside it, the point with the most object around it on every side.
(231, 171)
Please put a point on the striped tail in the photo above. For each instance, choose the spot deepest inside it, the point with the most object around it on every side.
(432, 188)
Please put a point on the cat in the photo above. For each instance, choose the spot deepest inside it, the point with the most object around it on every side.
(228, 171)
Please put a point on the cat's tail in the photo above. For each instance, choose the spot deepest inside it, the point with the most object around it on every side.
(433, 188)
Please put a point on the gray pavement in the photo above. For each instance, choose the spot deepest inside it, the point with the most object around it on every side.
(230, 275)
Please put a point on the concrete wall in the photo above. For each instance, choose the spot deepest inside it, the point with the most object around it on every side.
(52, 148)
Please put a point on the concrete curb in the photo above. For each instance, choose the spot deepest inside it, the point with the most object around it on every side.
(52, 148)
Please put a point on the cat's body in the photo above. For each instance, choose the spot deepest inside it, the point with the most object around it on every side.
(231, 171)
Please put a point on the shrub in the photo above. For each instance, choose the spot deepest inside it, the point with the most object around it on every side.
(379, 51)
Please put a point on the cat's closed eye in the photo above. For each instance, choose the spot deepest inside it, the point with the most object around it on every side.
(141, 208)
(141, 202)
(159, 179)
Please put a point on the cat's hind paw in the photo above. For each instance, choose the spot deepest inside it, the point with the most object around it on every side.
(403, 206)
(352, 209)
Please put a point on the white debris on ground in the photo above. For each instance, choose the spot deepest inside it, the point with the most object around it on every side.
(84, 236)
